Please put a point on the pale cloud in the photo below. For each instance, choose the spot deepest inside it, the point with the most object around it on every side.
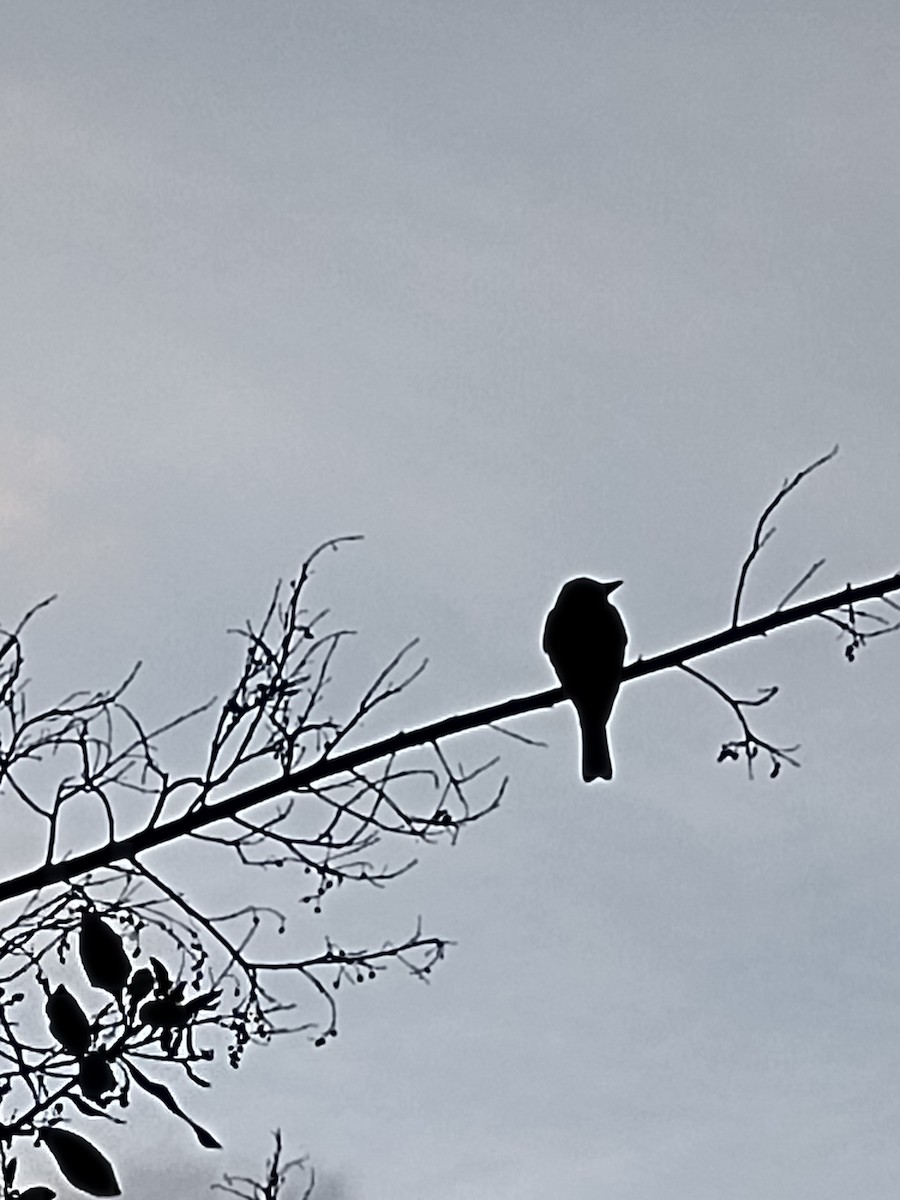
(37, 471)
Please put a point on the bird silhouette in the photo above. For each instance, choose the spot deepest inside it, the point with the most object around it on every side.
(584, 638)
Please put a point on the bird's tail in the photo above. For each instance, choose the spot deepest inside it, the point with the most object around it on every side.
(595, 759)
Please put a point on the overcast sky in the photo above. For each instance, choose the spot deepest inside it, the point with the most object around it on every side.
(518, 291)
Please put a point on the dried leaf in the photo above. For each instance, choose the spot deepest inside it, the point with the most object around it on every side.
(95, 1075)
(162, 1093)
(81, 1163)
(68, 1024)
(102, 954)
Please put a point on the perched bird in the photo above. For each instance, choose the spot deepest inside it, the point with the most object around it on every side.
(584, 638)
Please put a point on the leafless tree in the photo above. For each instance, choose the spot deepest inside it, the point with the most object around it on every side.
(275, 1177)
(284, 784)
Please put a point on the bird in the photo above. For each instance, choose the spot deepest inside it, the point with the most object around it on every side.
(585, 639)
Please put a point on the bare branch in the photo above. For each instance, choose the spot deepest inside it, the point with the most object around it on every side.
(750, 745)
(274, 1178)
(329, 768)
(800, 584)
(762, 535)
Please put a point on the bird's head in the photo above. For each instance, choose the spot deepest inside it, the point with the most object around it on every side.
(592, 587)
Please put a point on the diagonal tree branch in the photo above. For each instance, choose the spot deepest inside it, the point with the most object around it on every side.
(126, 849)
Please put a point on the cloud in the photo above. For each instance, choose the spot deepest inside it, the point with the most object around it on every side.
(36, 469)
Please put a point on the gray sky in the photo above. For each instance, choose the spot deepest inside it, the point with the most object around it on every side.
(519, 291)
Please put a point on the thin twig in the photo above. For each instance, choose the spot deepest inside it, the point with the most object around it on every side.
(762, 535)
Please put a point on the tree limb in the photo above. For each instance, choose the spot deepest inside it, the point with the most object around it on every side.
(424, 735)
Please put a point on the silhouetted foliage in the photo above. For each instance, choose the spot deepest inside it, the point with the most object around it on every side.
(68, 1024)
(154, 976)
(102, 954)
(164, 979)
(81, 1162)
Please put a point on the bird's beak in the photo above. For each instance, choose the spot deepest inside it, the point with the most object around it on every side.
(611, 587)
